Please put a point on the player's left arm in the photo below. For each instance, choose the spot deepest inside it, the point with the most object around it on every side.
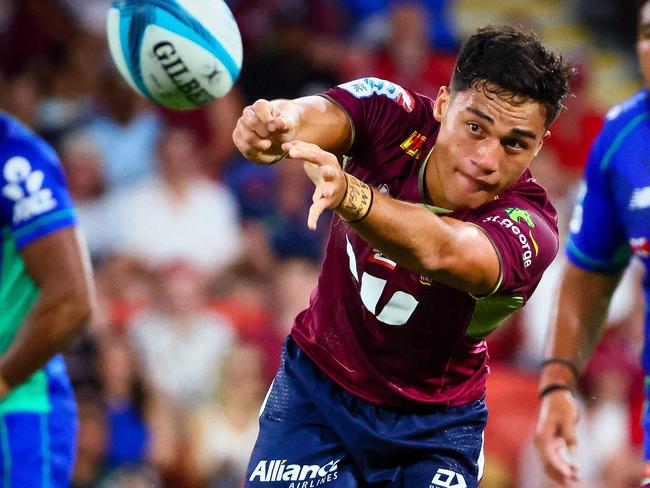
(59, 265)
(445, 249)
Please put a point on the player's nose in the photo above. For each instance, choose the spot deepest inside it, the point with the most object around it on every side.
(487, 156)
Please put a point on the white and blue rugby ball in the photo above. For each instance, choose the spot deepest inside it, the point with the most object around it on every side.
(178, 53)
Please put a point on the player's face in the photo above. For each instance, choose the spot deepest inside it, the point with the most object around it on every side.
(484, 145)
(643, 44)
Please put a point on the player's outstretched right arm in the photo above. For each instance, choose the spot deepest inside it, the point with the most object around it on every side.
(583, 301)
(265, 125)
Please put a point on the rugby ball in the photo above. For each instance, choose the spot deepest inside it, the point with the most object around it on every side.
(178, 53)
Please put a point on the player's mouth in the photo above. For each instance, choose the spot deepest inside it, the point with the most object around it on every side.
(476, 183)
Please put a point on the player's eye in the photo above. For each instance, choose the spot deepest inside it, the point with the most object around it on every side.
(515, 144)
(474, 127)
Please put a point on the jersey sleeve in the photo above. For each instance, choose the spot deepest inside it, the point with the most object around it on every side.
(34, 200)
(374, 108)
(526, 242)
(597, 240)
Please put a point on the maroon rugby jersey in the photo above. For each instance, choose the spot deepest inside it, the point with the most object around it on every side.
(390, 335)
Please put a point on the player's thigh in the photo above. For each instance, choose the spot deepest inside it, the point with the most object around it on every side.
(452, 456)
(442, 470)
(37, 450)
(295, 447)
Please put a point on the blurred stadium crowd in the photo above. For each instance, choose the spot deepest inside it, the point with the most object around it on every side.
(202, 260)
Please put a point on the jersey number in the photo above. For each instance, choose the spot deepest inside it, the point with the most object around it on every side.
(399, 308)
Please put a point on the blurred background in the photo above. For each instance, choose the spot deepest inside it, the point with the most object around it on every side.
(202, 260)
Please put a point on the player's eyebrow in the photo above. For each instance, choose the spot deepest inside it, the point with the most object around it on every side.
(524, 133)
(480, 113)
(516, 131)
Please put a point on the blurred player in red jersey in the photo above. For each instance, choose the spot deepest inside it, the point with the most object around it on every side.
(440, 233)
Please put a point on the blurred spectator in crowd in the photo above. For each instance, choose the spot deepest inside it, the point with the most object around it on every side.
(290, 236)
(370, 17)
(181, 341)
(90, 465)
(275, 196)
(295, 279)
(125, 130)
(177, 214)
(34, 28)
(82, 161)
(21, 93)
(318, 16)
(137, 434)
(243, 295)
(612, 21)
(408, 58)
(140, 425)
(90, 14)
(91, 470)
(512, 397)
(125, 288)
(71, 83)
(212, 126)
(132, 477)
(286, 67)
(254, 186)
(576, 127)
(129, 436)
(224, 432)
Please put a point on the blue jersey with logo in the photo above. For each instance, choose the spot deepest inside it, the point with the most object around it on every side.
(34, 202)
(612, 219)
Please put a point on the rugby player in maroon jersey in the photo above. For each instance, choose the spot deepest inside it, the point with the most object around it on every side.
(440, 232)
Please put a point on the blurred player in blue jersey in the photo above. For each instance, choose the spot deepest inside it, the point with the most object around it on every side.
(45, 297)
(609, 225)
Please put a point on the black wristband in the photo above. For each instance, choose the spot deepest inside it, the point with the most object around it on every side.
(564, 362)
(554, 387)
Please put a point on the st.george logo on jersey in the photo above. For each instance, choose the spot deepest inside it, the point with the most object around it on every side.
(25, 188)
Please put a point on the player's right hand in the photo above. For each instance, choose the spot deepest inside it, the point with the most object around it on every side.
(555, 436)
(261, 131)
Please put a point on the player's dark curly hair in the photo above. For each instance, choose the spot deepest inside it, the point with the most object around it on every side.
(513, 65)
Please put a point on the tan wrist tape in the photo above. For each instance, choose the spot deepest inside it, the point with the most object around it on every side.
(279, 158)
(357, 200)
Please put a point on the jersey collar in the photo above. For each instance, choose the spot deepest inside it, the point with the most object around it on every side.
(433, 208)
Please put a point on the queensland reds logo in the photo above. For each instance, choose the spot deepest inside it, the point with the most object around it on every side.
(366, 87)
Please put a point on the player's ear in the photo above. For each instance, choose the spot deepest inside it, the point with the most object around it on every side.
(442, 103)
(541, 142)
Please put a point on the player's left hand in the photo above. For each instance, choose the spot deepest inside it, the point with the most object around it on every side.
(325, 172)
(555, 436)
